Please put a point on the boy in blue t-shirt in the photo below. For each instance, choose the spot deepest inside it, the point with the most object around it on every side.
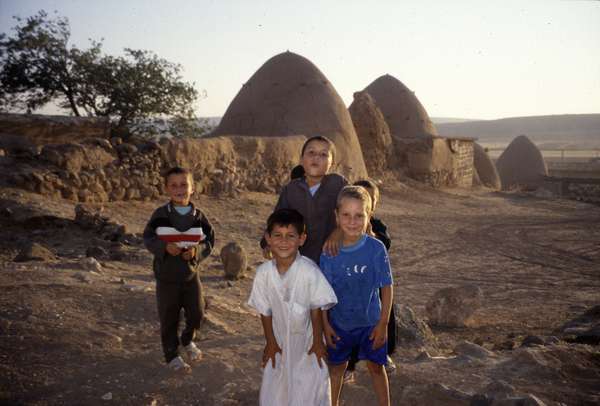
(361, 316)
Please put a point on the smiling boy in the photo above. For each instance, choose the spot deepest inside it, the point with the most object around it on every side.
(180, 237)
(288, 292)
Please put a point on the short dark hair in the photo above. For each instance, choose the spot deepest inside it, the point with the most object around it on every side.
(321, 138)
(297, 172)
(370, 186)
(284, 218)
(177, 170)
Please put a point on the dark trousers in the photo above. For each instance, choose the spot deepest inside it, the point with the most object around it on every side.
(391, 341)
(171, 298)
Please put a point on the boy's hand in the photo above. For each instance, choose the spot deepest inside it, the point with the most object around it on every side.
(379, 335)
(333, 243)
(173, 249)
(330, 335)
(269, 353)
(267, 254)
(189, 253)
(320, 351)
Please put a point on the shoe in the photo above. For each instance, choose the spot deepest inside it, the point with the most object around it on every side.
(390, 366)
(178, 364)
(349, 376)
(194, 354)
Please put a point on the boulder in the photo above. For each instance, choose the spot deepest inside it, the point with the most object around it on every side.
(472, 350)
(234, 259)
(34, 252)
(410, 329)
(454, 306)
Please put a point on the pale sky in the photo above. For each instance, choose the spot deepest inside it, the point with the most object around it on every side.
(468, 59)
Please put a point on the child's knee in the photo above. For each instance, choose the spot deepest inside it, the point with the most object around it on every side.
(375, 369)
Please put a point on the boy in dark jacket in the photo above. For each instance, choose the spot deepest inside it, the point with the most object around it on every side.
(180, 237)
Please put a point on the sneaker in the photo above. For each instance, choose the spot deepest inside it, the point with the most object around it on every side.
(178, 364)
(194, 354)
(390, 366)
(349, 376)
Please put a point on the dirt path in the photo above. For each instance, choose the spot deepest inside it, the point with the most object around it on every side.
(65, 340)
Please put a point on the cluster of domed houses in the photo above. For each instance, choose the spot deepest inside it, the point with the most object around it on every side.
(386, 128)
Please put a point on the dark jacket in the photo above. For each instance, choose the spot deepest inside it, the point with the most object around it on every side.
(318, 210)
(380, 230)
(170, 268)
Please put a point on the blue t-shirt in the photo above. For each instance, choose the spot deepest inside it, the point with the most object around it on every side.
(356, 274)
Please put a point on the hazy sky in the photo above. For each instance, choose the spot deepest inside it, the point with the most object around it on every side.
(469, 59)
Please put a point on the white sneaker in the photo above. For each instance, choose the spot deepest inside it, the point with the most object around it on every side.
(390, 366)
(194, 354)
(349, 376)
(178, 364)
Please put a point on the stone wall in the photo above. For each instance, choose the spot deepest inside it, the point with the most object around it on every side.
(438, 161)
(98, 170)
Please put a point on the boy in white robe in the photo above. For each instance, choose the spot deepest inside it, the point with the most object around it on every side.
(289, 292)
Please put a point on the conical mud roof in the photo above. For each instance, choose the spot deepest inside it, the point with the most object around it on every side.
(289, 95)
(521, 164)
(485, 167)
(403, 112)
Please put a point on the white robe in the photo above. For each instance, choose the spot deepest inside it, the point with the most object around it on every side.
(296, 379)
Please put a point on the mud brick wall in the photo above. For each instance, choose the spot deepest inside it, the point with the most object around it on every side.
(586, 192)
(462, 162)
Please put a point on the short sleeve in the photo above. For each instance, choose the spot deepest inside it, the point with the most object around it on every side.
(321, 293)
(384, 270)
(325, 265)
(259, 299)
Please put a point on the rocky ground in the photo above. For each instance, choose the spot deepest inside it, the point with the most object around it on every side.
(73, 332)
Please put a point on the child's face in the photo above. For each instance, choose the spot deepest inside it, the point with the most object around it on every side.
(352, 217)
(179, 188)
(284, 241)
(317, 159)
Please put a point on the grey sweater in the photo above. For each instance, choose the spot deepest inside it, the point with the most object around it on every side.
(318, 210)
(170, 268)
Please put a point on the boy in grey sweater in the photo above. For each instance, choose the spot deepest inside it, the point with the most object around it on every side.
(180, 237)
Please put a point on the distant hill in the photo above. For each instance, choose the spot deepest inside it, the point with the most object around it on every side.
(582, 130)
(443, 120)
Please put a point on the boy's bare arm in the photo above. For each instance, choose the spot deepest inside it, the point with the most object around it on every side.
(317, 348)
(271, 347)
(330, 335)
(379, 334)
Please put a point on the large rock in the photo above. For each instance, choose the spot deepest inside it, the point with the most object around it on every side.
(289, 95)
(234, 260)
(373, 133)
(75, 157)
(521, 165)
(34, 252)
(432, 394)
(485, 168)
(584, 329)
(410, 329)
(454, 306)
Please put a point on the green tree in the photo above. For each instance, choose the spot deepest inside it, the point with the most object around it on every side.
(37, 66)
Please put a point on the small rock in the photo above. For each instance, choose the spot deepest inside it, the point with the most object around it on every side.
(423, 357)
(410, 329)
(235, 260)
(96, 252)
(454, 306)
(34, 252)
(91, 264)
(107, 396)
(472, 350)
(531, 341)
(507, 345)
(83, 277)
